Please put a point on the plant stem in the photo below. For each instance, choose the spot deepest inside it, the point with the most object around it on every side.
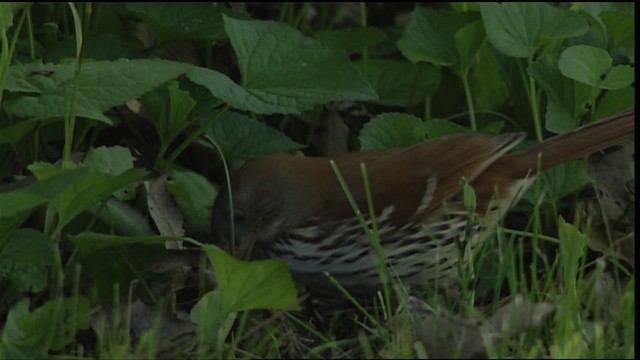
(365, 50)
(70, 120)
(534, 102)
(193, 136)
(469, 97)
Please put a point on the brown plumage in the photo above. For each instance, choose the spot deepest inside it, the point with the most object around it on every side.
(296, 209)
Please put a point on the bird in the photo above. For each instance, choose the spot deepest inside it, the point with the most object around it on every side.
(295, 208)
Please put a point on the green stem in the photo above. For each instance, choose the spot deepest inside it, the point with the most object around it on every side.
(365, 50)
(469, 97)
(535, 106)
(32, 45)
(374, 238)
(8, 51)
(70, 120)
(301, 15)
(193, 136)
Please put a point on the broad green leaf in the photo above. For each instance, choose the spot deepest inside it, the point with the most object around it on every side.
(592, 11)
(25, 260)
(389, 130)
(468, 41)
(565, 179)
(282, 71)
(209, 315)
(429, 36)
(179, 21)
(614, 101)
(588, 64)
(91, 187)
(112, 161)
(12, 134)
(103, 84)
(619, 77)
(91, 242)
(573, 246)
(567, 99)
(169, 108)
(519, 29)
(6, 15)
(63, 317)
(435, 128)
(351, 40)
(194, 194)
(241, 137)
(109, 160)
(260, 284)
(621, 28)
(121, 217)
(16, 206)
(400, 83)
(488, 84)
(584, 63)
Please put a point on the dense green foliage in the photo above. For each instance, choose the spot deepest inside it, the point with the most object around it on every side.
(118, 123)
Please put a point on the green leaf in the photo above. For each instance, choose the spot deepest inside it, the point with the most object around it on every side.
(194, 194)
(468, 41)
(177, 21)
(91, 187)
(241, 137)
(584, 63)
(435, 128)
(565, 179)
(260, 284)
(282, 71)
(567, 99)
(469, 196)
(6, 15)
(62, 317)
(169, 108)
(488, 85)
(25, 260)
(520, 29)
(389, 130)
(400, 83)
(429, 36)
(109, 160)
(619, 77)
(351, 40)
(103, 84)
(593, 12)
(621, 28)
(12, 134)
(573, 246)
(209, 315)
(588, 64)
(19, 204)
(112, 161)
(615, 101)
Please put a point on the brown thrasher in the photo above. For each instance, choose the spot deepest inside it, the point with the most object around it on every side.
(295, 208)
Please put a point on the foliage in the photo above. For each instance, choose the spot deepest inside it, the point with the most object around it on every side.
(100, 102)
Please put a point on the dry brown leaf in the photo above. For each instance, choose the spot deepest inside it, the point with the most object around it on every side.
(164, 210)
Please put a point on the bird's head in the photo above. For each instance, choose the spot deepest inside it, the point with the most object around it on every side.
(253, 209)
